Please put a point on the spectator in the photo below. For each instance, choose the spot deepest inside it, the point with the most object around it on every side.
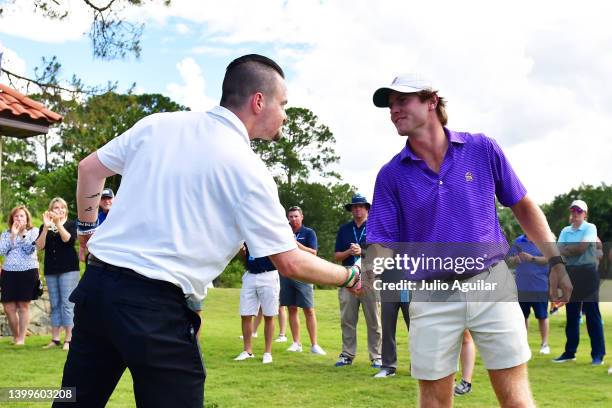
(578, 244)
(260, 291)
(294, 293)
(350, 247)
(57, 237)
(20, 277)
(532, 284)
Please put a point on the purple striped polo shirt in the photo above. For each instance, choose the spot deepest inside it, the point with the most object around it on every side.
(414, 204)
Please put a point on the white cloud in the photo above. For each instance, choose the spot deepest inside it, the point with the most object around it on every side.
(20, 20)
(182, 29)
(193, 92)
(11, 61)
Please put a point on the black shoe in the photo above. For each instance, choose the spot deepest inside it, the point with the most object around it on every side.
(463, 388)
(564, 358)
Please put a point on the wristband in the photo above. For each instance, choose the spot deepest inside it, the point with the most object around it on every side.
(555, 260)
(352, 270)
(86, 228)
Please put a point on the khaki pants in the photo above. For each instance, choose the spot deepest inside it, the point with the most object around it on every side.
(349, 315)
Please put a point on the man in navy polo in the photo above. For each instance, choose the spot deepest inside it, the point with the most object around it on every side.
(441, 188)
(532, 284)
(294, 293)
(260, 288)
(350, 247)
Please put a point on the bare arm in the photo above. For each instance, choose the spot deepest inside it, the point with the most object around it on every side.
(534, 224)
(305, 248)
(90, 182)
(42, 238)
(306, 267)
(341, 256)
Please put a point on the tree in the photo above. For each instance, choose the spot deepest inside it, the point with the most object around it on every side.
(305, 151)
(307, 148)
(111, 35)
(599, 200)
(323, 207)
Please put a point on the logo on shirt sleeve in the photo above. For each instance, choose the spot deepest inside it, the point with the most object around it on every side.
(469, 177)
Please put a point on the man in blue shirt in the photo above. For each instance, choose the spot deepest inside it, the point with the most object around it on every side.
(350, 247)
(294, 294)
(578, 244)
(106, 202)
(532, 284)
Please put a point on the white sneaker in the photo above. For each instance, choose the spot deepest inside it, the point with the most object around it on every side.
(267, 358)
(296, 347)
(610, 370)
(244, 356)
(316, 349)
(281, 339)
(545, 349)
(253, 336)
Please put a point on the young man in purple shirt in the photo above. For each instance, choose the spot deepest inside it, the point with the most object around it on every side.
(441, 188)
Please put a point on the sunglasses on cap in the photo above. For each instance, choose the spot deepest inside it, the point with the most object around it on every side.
(576, 210)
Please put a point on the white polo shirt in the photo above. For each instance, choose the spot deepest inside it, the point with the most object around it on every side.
(192, 191)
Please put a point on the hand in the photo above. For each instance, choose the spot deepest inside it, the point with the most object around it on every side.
(559, 279)
(83, 247)
(354, 286)
(355, 250)
(515, 259)
(47, 220)
(525, 257)
(55, 217)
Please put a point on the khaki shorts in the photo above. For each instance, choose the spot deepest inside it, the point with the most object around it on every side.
(498, 329)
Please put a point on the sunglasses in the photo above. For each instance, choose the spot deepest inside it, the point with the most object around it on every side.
(576, 210)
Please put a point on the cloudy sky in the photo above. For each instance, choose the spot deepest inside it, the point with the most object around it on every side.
(532, 75)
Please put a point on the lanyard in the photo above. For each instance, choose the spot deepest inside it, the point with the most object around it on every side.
(358, 240)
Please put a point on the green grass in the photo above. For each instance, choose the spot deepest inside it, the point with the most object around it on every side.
(305, 380)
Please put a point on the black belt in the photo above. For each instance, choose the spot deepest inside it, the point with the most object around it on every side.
(255, 273)
(462, 277)
(92, 260)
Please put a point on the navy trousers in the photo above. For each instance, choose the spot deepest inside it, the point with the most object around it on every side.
(594, 328)
(124, 320)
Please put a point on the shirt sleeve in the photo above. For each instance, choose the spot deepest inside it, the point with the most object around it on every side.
(261, 219)
(590, 235)
(71, 228)
(311, 240)
(508, 188)
(340, 245)
(115, 154)
(5, 243)
(383, 219)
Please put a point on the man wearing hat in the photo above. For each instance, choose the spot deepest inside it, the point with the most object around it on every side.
(106, 202)
(578, 244)
(441, 188)
(350, 247)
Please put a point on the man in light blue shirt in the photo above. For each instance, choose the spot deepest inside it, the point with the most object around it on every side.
(577, 243)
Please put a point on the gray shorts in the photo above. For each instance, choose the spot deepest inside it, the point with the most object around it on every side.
(296, 293)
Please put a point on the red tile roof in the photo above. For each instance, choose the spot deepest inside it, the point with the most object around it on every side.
(23, 108)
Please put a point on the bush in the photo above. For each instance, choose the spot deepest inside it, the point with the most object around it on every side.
(232, 275)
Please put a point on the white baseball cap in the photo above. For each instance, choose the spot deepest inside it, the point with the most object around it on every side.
(580, 204)
(406, 83)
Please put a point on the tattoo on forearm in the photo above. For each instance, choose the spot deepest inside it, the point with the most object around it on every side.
(88, 209)
(93, 196)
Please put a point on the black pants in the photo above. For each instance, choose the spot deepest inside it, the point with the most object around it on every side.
(123, 320)
(389, 313)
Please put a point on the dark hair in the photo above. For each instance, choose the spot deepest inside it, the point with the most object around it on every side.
(295, 208)
(440, 107)
(246, 75)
